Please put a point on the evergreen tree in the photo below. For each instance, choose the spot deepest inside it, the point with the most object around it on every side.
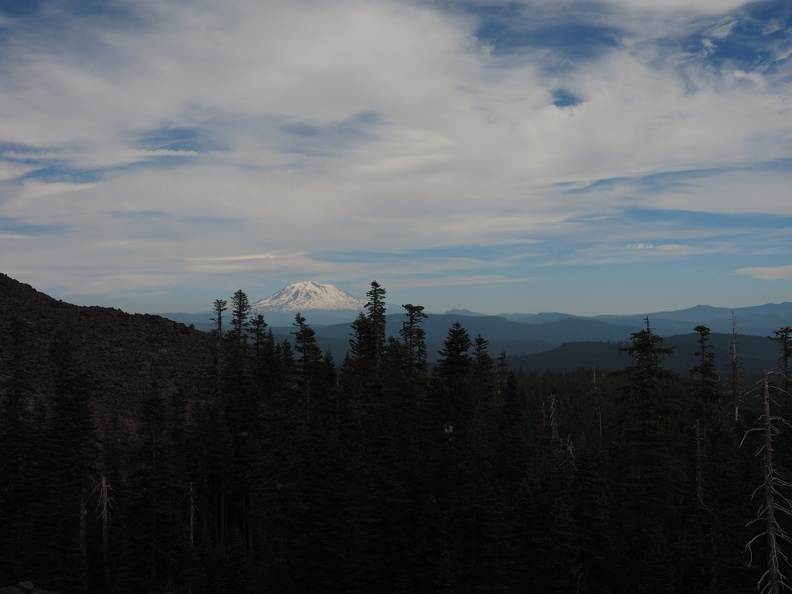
(454, 357)
(645, 372)
(481, 356)
(219, 306)
(16, 464)
(376, 316)
(783, 336)
(309, 361)
(240, 310)
(153, 498)
(367, 343)
(452, 387)
(704, 516)
(67, 472)
(414, 338)
(239, 395)
(649, 480)
(705, 373)
(257, 330)
(360, 342)
(361, 371)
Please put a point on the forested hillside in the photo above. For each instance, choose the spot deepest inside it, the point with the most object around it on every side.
(140, 455)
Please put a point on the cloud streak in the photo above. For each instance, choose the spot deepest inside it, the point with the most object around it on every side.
(768, 273)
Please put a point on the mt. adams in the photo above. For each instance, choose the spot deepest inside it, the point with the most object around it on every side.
(309, 296)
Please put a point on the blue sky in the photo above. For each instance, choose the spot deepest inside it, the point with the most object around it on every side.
(620, 156)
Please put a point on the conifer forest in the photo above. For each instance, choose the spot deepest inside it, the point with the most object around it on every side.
(276, 468)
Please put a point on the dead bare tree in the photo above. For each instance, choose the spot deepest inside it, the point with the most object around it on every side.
(193, 509)
(84, 538)
(772, 581)
(736, 377)
(699, 471)
(597, 399)
(103, 509)
(553, 418)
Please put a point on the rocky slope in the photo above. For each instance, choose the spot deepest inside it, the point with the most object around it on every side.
(122, 355)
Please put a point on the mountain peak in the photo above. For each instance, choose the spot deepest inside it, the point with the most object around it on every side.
(310, 295)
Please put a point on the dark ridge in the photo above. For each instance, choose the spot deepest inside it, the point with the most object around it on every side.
(122, 354)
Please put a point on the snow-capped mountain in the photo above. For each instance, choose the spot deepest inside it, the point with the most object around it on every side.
(310, 295)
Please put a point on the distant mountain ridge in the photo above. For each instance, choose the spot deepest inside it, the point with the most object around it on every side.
(757, 320)
(548, 327)
(326, 305)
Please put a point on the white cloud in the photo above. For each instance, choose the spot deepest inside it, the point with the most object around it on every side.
(363, 125)
(768, 273)
(612, 253)
(722, 29)
(456, 281)
(702, 6)
(11, 170)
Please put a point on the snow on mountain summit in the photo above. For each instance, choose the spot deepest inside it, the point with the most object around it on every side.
(310, 295)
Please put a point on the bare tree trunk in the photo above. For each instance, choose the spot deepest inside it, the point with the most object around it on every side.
(192, 515)
(84, 540)
(772, 580)
(222, 517)
(597, 401)
(192, 531)
(153, 553)
(715, 567)
(699, 487)
(308, 403)
(735, 372)
(553, 418)
(773, 569)
(104, 503)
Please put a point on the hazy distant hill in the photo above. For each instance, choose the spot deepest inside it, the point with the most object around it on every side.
(755, 353)
(758, 320)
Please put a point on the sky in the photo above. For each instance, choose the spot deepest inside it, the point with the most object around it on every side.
(589, 157)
